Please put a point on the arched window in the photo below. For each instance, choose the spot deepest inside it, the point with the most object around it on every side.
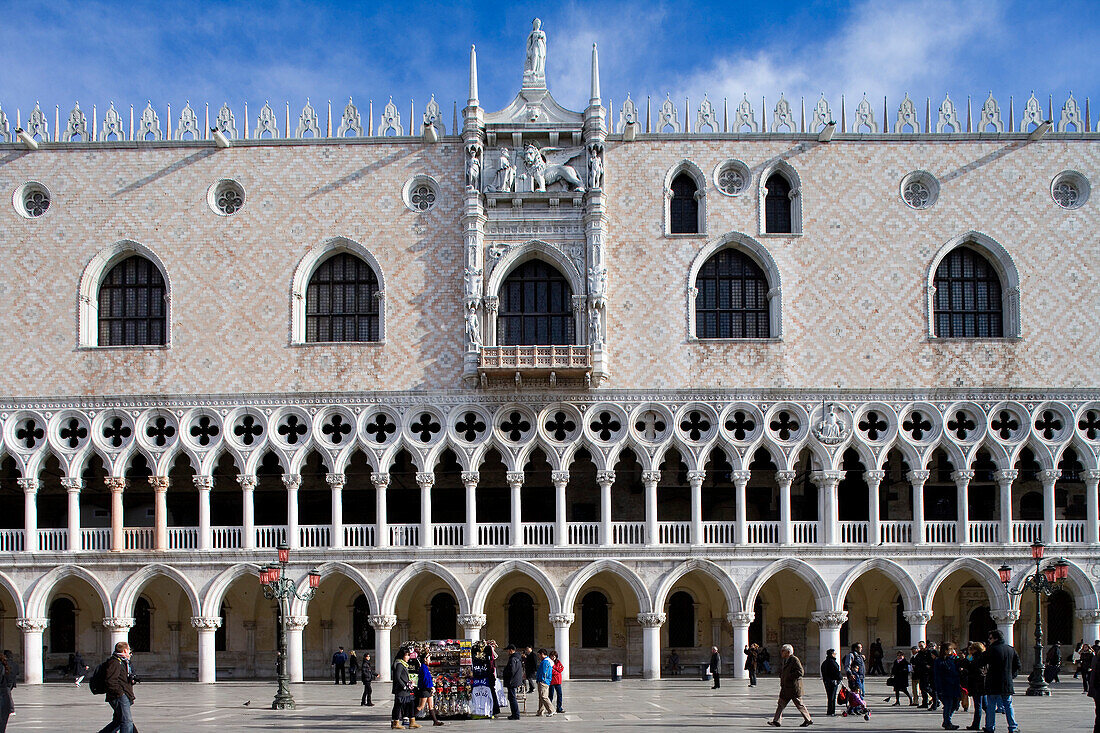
(981, 623)
(732, 300)
(222, 632)
(594, 620)
(777, 205)
(521, 620)
(683, 211)
(141, 633)
(132, 306)
(444, 617)
(535, 307)
(62, 626)
(967, 302)
(681, 620)
(362, 631)
(1060, 618)
(342, 301)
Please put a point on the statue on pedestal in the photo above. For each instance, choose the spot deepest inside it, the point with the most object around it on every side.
(535, 64)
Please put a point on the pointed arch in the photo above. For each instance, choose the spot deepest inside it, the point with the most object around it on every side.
(396, 584)
(693, 172)
(757, 254)
(96, 270)
(309, 264)
(131, 588)
(301, 608)
(725, 583)
(1002, 263)
(823, 598)
(780, 167)
(983, 572)
(534, 249)
(910, 593)
(615, 567)
(17, 597)
(217, 588)
(44, 587)
(490, 579)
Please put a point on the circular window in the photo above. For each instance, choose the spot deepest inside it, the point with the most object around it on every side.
(732, 177)
(919, 190)
(31, 200)
(420, 193)
(1070, 189)
(226, 197)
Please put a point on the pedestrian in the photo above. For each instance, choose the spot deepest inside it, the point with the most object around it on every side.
(530, 664)
(765, 659)
(119, 681)
(922, 672)
(491, 673)
(1094, 690)
(674, 663)
(402, 689)
(1075, 658)
(339, 661)
(353, 668)
(715, 667)
(12, 677)
(1053, 663)
(1087, 656)
(1002, 664)
(899, 679)
(543, 675)
(855, 668)
(830, 676)
(877, 657)
(975, 681)
(80, 668)
(366, 673)
(425, 691)
(7, 682)
(513, 678)
(948, 682)
(555, 678)
(913, 651)
(752, 652)
(929, 682)
(790, 687)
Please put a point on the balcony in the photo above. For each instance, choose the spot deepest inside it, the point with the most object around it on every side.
(543, 363)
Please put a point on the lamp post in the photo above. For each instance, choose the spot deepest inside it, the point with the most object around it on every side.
(1042, 582)
(278, 587)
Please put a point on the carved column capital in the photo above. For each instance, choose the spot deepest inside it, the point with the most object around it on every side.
(1005, 615)
(741, 618)
(296, 623)
(425, 479)
(918, 478)
(514, 479)
(784, 478)
(827, 479)
(335, 480)
(1092, 476)
(1091, 615)
(492, 303)
(115, 483)
(32, 624)
(28, 485)
(293, 481)
(695, 478)
(207, 623)
(740, 478)
(1049, 475)
(470, 478)
(159, 483)
(918, 617)
(247, 481)
(651, 477)
(203, 483)
(651, 620)
(471, 620)
(380, 480)
(962, 478)
(605, 477)
(118, 623)
(382, 622)
(829, 619)
(874, 478)
(559, 478)
(561, 620)
(1006, 476)
(72, 485)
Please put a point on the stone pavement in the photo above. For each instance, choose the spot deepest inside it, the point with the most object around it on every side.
(167, 707)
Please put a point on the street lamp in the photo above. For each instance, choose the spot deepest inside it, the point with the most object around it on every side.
(1042, 582)
(278, 587)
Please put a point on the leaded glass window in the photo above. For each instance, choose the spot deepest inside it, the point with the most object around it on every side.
(132, 306)
(968, 297)
(777, 205)
(684, 208)
(342, 302)
(535, 307)
(732, 300)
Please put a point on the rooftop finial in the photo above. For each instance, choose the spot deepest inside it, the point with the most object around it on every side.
(595, 100)
(473, 102)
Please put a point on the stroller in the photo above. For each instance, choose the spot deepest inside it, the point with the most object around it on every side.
(853, 703)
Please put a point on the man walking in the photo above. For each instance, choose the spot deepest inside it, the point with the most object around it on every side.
(877, 657)
(339, 660)
(790, 687)
(715, 667)
(119, 679)
(855, 667)
(513, 679)
(529, 666)
(830, 675)
(543, 675)
(1003, 663)
(366, 671)
(751, 652)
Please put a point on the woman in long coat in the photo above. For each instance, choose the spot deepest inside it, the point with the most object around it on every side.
(975, 681)
(899, 678)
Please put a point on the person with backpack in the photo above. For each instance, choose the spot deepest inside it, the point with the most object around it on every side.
(115, 679)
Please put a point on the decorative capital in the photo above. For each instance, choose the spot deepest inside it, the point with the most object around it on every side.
(1006, 476)
(203, 483)
(470, 477)
(380, 480)
(293, 481)
(159, 483)
(1091, 615)
(382, 622)
(962, 477)
(514, 479)
(209, 623)
(740, 478)
(32, 624)
(335, 480)
(874, 477)
(561, 620)
(829, 619)
(695, 478)
(72, 484)
(919, 617)
(827, 479)
(605, 477)
(651, 620)
(425, 479)
(29, 485)
(247, 481)
(784, 478)
(1005, 615)
(1092, 475)
(471, 620)
(118, 623)
(651, 477)
(917, 478)
(741, 618)
(1049, 475)
(559, 478)
(296, 623)
(115, 483)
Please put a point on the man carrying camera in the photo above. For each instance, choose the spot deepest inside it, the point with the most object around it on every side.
(119, 679)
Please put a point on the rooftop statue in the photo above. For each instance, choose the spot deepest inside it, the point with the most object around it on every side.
(536, 50)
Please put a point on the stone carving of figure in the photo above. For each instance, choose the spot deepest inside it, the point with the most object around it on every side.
(595, 327)
(829, 430)
(473, 168)
(595, 168)
(505, 179)
(473, 282)
(536, 50)
(473, 325)
(597, 280)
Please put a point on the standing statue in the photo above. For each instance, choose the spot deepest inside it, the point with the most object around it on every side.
(595, 327)
(595, 168)
(536, 50)
(505, 178)
(473, 325)
(473, 167)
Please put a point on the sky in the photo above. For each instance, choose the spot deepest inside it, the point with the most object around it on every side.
(171, 52)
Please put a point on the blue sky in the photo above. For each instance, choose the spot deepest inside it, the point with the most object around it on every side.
(172, 52)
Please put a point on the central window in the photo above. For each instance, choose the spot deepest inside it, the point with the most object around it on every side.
(342, 301)
(535, 307)
(132, 308)
(968, 297)
(733, 298)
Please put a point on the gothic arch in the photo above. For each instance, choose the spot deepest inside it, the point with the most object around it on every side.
(759, 255)
(217, 588)
(388, 603)
(301, 608)
(787, 171)
(490, 579)
(823, 599)
(984, 573)
(43, 588)
(700, 179)
(910, 593)
(304, 271)
(131, 588)
(535, 249)
(589, 571)
(1006, 270)
(725, 583)
(17, 597)
(90, 280)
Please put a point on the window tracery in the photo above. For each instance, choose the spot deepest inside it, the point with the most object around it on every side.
(342, 301)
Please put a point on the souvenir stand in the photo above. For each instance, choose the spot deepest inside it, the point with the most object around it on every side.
(452, 671)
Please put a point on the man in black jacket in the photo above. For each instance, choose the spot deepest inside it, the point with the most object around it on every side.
(715, 667)
(366, 671)
(830, 675)
(120, 690)
(513, 680)
(1002, 664)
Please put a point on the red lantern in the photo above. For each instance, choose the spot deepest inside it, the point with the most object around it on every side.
(1037, 550)
(284, 552)
(265, 575)
(1048, 573)
(314, 578)
(1061, 570)
(1006, 574)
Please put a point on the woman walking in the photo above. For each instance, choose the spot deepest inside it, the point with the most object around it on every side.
(402, 689)
(975, 681)
(427, 688)
(899, 679)
(946, 679)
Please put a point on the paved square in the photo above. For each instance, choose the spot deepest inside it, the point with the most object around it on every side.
(166, 707)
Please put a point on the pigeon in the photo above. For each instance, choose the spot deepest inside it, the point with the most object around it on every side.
(247, 703)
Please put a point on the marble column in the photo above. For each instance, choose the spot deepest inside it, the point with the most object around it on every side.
(293, 482)
(469, 481)
(918, 624)
(160, 512)
(336, 484)
(741, 508)
(962, 499)
(786, 530)
(426, 480)
(651, 644)
(1004, 480)
(248, 489)
(515, 486)
(605, 479)
(874, 511)
(383, 653)
(1092, 508)
(250, 645)
(827, 482)
(204, 484)
(1006, 619)
(381, 482)
(174, 645)
(1090, 624)
(740, 621)
(561, 523)
(650, 479)
(32, 629)
(295, 659)
(73, 487)
(695, 481)
(561, 623)
(207, 627)
(917, 480)
(30, 513)
(119, 629)
(471, 624)
(1049, 477)
(828, 629)
(117, 485)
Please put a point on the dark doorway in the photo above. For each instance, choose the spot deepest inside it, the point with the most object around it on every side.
(521, 620)
(444, 617)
